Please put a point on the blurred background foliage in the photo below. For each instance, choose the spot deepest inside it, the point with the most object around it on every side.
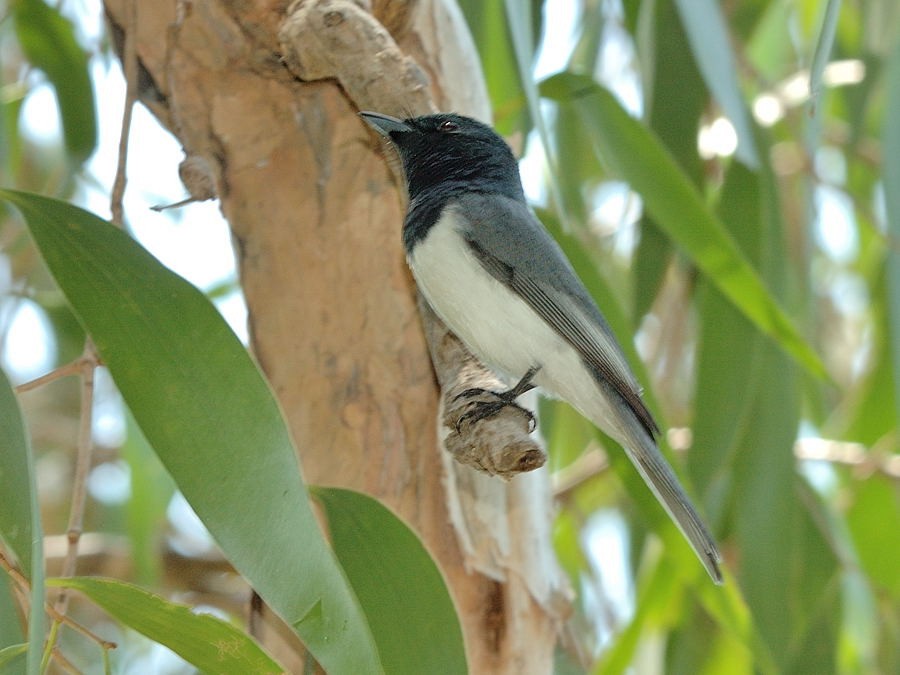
(770, 125)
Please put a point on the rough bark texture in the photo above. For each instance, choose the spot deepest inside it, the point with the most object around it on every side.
(315, 215)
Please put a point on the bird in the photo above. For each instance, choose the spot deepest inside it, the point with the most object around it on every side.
(494, 275)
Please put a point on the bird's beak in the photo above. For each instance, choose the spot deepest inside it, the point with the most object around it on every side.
(385, 124)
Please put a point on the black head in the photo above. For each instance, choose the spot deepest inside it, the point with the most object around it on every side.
(449, 153)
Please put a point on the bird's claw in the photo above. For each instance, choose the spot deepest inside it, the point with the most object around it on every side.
(483, 409)
(474, 391)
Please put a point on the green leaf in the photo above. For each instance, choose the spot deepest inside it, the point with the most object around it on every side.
(891, 154)
(874, 522)
(730, 355)
(20, 517)
(708, 34)
(68, 335)
(758, 395)
(400, 588)
(659, 592)
(567, 545)
(812, 605)
(769, 48)
(566, 433)
(729, 608)
(16, 480)
(203, 640)
(860, 635)
(870, 410)
(487, 23)
(765, 510)
(9, 658)
(679, 210)
(521, 27)
(11, 151)
(727, 348)
(824, 45)
(677, 96)
(651, 261)
(675, 102)
(10, 624)
(579, 175)
(145, 512)
(48, 41)
(209, 415)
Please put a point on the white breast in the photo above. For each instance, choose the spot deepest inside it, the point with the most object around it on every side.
(496, 324)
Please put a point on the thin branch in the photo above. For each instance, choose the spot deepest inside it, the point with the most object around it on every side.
(64, 663)
(843, 453)
(78, 628)
(82, 468)
(18, 578)
(21, 581)
(72, 368)
(49, 646)
(89, 359)
(130, 68)
(856, 455)
(590, 464)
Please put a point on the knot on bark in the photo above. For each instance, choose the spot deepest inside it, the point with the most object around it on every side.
(197, 176)
(342, 40)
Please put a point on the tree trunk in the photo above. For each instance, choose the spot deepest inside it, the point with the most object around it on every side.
(315, 214)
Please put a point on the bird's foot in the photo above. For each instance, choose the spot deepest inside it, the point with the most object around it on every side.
(503, 399)
(483, 409)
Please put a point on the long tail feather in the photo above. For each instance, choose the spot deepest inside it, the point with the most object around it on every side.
(648, 460)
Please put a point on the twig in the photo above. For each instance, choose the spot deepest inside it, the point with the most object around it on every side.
(591, 463)
(78, 628)
(129, 66)
(856, 455)
(49, 646)
(82, 468)
(72, 368)
(21, 581)
(872, 460)
(18, 578)
(63, 662)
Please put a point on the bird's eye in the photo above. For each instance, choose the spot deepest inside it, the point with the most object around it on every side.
(448, 126)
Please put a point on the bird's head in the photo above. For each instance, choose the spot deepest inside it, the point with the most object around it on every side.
(449, 151)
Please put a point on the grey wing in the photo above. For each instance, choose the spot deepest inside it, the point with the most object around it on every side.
(514, 247)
